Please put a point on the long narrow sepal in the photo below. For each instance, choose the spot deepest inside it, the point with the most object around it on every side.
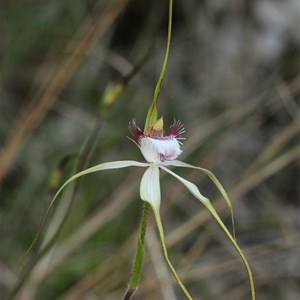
(191, 187)
(235, 244)
(165, 251)
(100, 167)
(150, 187)
(177, 163)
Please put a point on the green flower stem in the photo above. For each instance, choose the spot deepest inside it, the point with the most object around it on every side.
(152, 112)
(150, 120)
(139, 257)
(163, 243)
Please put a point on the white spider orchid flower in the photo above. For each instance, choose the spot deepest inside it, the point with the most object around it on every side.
(155, 147)
(161, 151)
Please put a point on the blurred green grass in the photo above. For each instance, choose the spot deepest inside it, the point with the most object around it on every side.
(233, 80)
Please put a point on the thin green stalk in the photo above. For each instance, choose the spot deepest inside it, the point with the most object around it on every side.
(152, 113)
(150, 120)
(165, 251)
(139, 256)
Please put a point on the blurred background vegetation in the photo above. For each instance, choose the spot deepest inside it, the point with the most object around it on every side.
(233, 80)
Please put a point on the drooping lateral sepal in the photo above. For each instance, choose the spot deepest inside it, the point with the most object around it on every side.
(205, 201)
(177, 163)
(101, 167)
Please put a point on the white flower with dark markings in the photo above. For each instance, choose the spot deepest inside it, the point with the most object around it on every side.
(161, 151)
(156, 147)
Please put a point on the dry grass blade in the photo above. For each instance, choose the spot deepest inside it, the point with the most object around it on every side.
(43, 100)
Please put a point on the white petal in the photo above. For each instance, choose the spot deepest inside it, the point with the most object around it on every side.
(150, 187)
(190, 186)
(157, 150)
(105, 166)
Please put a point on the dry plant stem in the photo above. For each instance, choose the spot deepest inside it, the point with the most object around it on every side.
(288, 100)
(93, 280)
(274, 147)
(31, 117)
